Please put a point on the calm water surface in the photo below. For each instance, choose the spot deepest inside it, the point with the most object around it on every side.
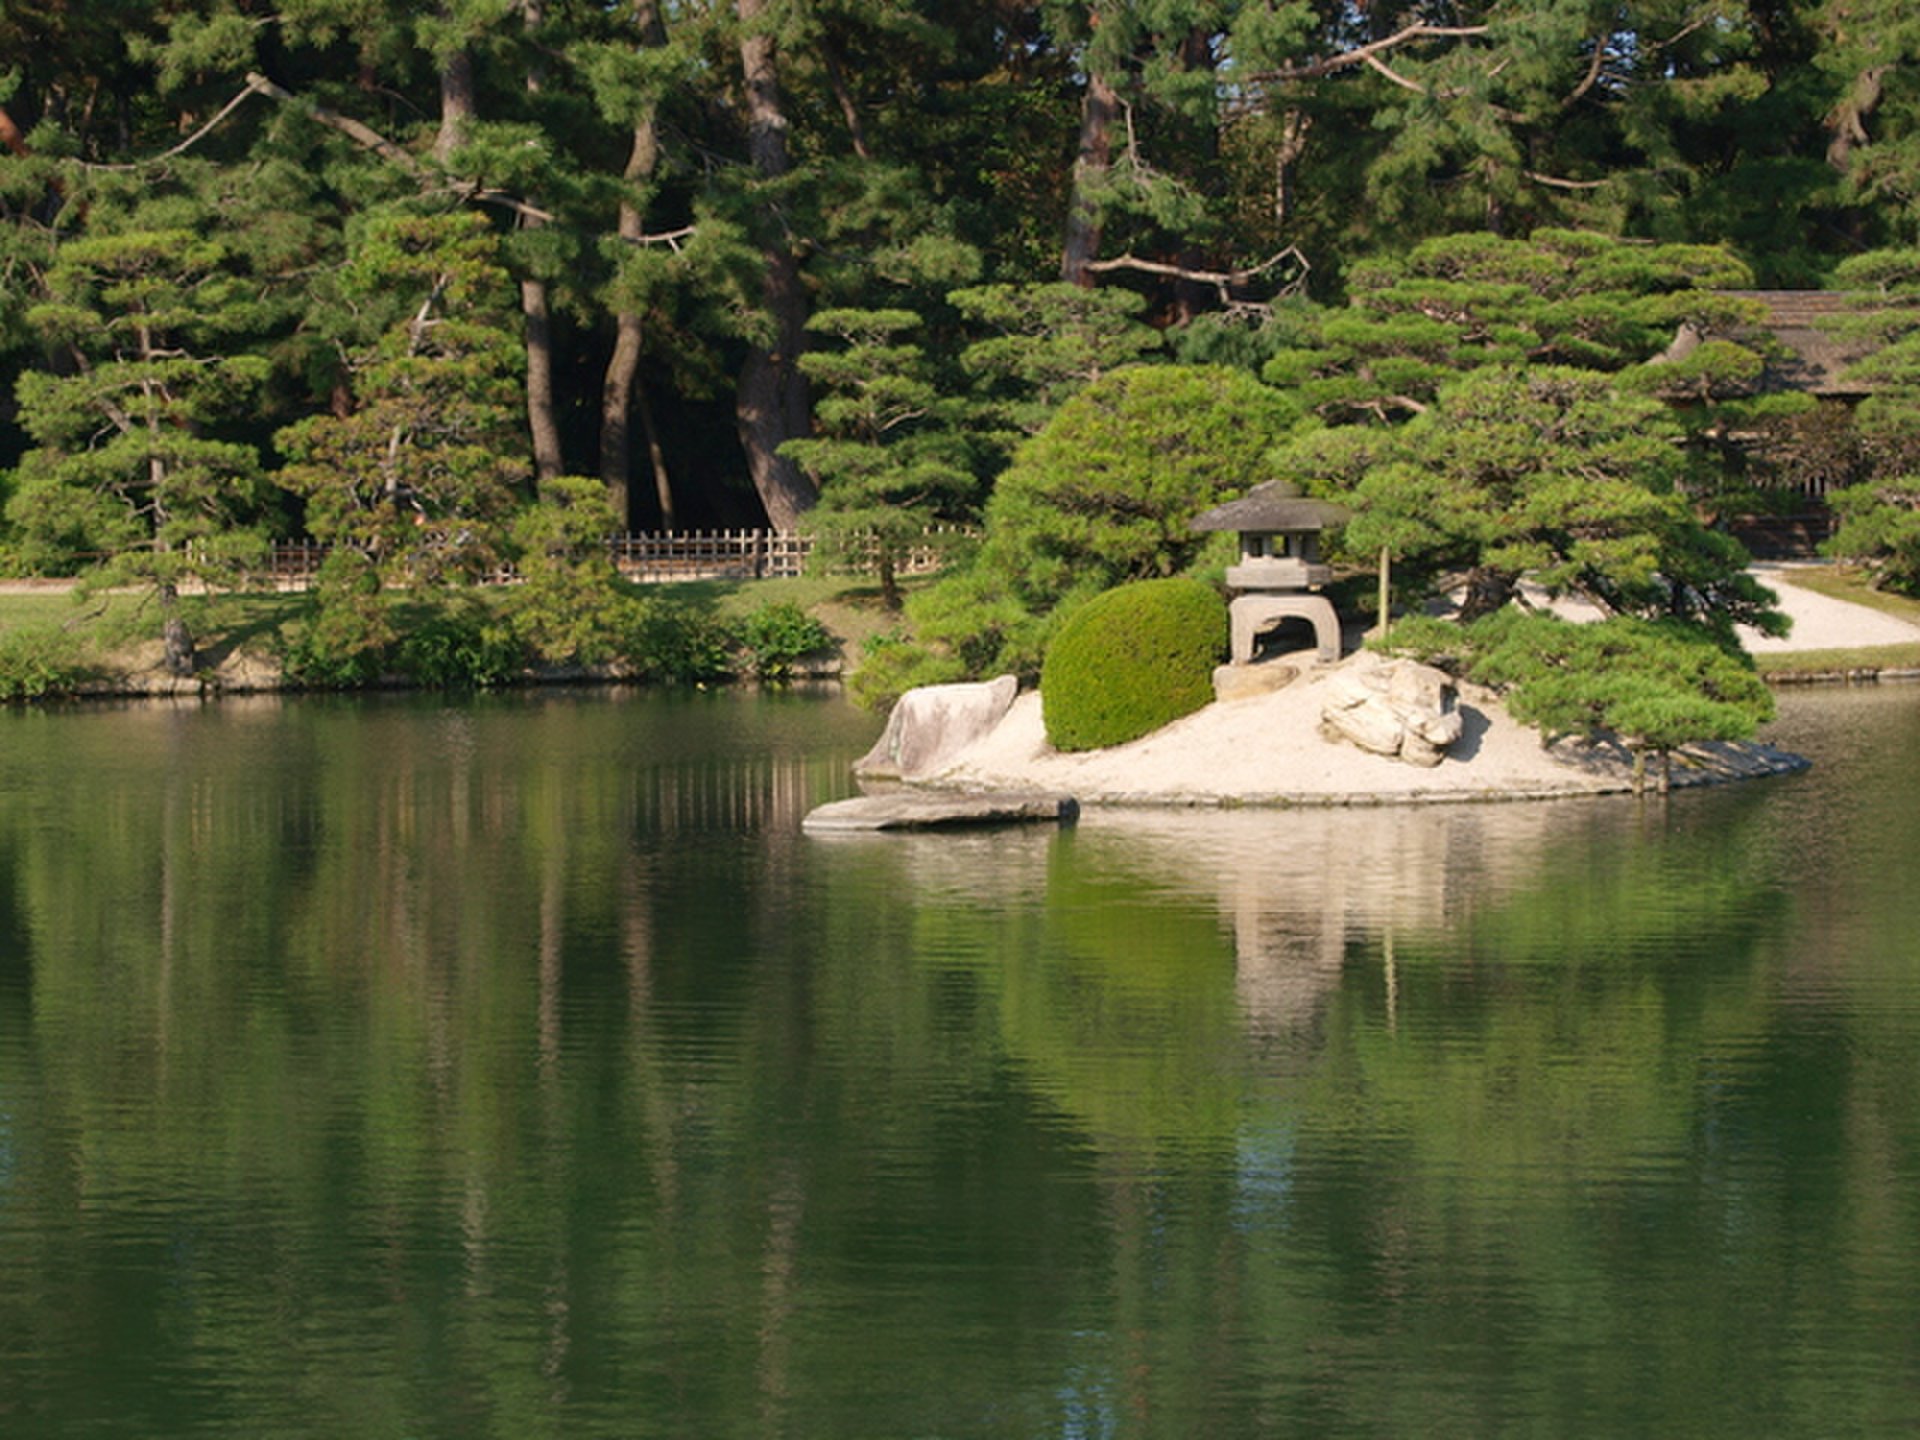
(515, 1067)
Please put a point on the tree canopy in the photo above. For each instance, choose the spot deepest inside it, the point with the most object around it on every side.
(746, 257)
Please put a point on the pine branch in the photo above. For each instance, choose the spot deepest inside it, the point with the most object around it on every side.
(1221, 280)
(191, 140)
(370, 139)
(1559, 184)
(1366, 54)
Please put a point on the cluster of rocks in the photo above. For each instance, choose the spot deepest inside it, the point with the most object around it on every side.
(1398, 708)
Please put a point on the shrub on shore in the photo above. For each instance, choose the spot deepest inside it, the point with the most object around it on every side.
(1131, 660)
(39, 662)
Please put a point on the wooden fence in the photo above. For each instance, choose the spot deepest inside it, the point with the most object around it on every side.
(649, 559)
(711, 555)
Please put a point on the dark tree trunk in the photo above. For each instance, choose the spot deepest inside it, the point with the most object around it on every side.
(457, 104)
(618, 383)
(176, 639)
(1847, 121)
(536, 317)
(771, 407)
(10, 135)
(1095, 157)
(1487, 590)
(616, 412)
(850, 112)
(656, 457)
(1190, 296)
(542, 425)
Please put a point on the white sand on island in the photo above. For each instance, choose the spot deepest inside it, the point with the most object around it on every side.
(1269, 750)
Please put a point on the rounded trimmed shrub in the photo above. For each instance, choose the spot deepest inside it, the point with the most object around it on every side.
(1131, 660)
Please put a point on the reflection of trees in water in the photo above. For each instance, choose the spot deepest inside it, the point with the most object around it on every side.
(365, 964)
(1300, 889)
(633, 1099)
(763, 795)
(1131, 960)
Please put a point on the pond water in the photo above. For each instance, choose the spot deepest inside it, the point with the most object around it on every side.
(514, 1067)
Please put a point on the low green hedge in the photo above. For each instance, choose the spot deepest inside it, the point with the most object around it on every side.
(40, 661)
(1131, 660)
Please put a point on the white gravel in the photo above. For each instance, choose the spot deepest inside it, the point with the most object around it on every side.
(1821, 623)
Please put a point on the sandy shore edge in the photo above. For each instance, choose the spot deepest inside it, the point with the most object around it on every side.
(1268, 751)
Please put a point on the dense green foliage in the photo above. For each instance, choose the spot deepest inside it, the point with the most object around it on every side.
(1103, 495)
(890, 461)
(1541, 472)
(778, 635)
(1129, 661)
(39, 661)
(1880, 525)
(386, 279)
(470, 639)
(1880, 511)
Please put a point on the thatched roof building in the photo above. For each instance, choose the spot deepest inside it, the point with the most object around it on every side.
(1808, 355)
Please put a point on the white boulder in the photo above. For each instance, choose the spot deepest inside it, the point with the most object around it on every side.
(1397, 708)
(929, 726)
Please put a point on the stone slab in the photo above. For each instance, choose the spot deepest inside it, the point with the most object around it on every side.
(1250, 682)
(935, 810)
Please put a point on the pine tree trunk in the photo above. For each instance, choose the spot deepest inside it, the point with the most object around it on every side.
(616, 413)
(1097, 115)
(542, 425)
(543, 428)
(10, 135)
(176, 639)
(1846, 123)
(1487, 590)
(618, 382)
(771, 405)
(457, 104)
(656, 456)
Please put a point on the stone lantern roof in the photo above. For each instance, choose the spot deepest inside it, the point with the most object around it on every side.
(1275, 508)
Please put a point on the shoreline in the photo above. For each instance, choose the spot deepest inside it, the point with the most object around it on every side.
(1267, 752)
(1820, 623)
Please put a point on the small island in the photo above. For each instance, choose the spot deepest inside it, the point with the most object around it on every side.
(1267, 750)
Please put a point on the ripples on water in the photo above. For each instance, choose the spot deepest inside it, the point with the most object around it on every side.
(516, 1067)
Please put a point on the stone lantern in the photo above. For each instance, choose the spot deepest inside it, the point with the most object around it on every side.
(1280, 569)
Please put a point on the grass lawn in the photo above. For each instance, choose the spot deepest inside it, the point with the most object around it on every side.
(106, 629)
(851, 609)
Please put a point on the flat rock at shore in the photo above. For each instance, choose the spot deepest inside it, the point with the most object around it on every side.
(933, 810)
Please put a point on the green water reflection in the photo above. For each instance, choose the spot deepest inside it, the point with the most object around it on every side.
(515, 1067)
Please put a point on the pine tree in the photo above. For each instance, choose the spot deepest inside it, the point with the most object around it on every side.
(413, 483)
(129, 468)
(889, 461)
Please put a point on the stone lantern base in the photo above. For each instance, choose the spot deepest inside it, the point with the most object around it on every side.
(1249, 615)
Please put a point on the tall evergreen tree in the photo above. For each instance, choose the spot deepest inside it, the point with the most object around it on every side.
(890, 460)
(413, 483)
(128, 466)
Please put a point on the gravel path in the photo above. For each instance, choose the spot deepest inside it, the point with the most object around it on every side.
(1822, 623)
